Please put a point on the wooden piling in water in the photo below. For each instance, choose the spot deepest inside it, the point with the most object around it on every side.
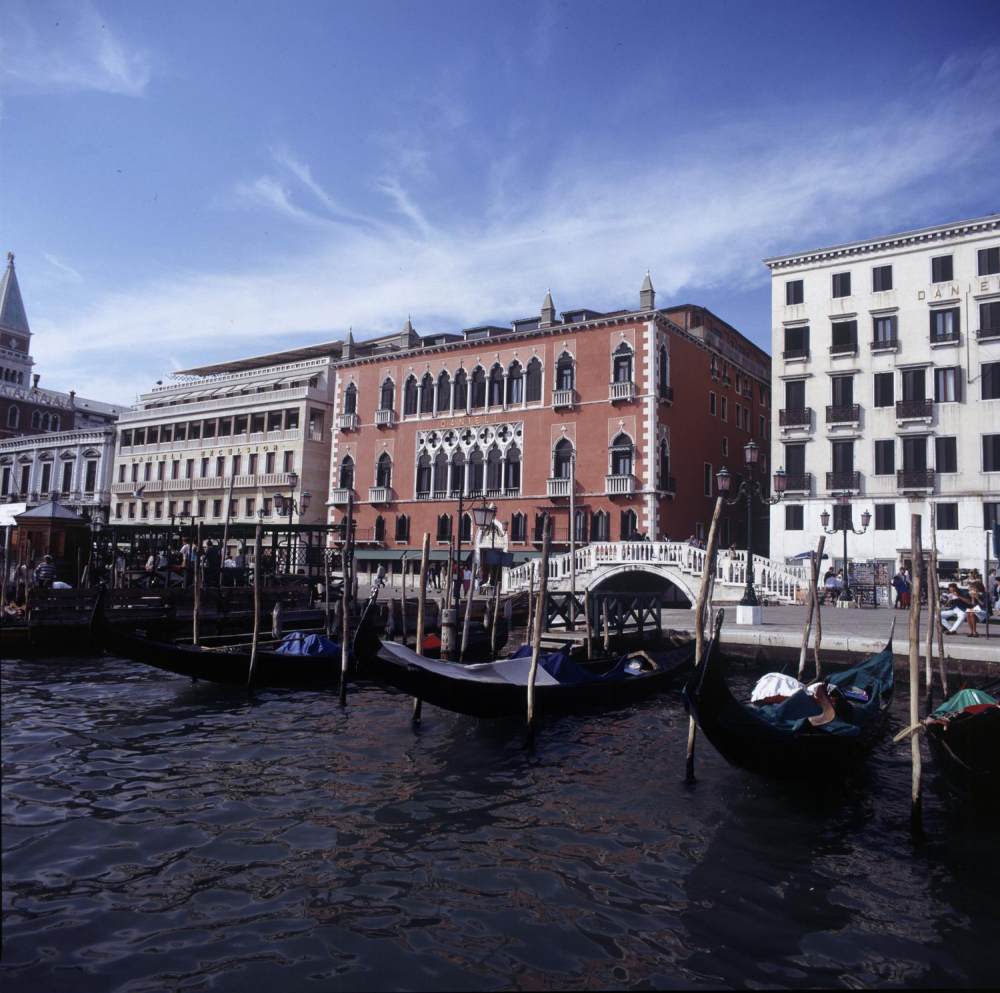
(195, 616)
(606, 625)
(590, 627)
(346, 560)
(258, 580)
(917, 559)
(707, 569)
(812, 605)
(536, 634)
(934, 619)
(425, 552)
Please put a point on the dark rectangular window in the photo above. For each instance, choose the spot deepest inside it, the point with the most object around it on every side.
(948, 385)
(990, 380)
(845, 336)
(881, 278)
(885, 457)
(842, 517)
(708, 479)
(991, 453)
(915, 454)
(989, 261)
(795, 394)
(796, 341)
(884, 389)
(945, 324)
(945, 455)
(793, 517)
(795, 460)
(991, 514)
(885, 517)
(914, 384)
(841, 284)
(843, 456)
(947, 516)
(842, 393)
(989, 316)
(793, 292)
(711, 403)
(942, 269)
(885, 330)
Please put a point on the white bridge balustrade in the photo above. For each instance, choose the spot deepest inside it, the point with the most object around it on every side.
(676, 561)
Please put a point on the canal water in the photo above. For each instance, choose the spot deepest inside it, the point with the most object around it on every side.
(159, 834)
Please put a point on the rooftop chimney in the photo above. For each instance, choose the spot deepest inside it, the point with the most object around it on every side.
(34, 380)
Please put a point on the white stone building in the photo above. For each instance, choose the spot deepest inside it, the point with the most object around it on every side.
(71, 467)
(887, 388)
(256, 427)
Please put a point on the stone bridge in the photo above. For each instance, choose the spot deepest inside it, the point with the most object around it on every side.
(675, 562)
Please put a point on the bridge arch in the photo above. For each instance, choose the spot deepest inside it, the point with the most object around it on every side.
(632, 577)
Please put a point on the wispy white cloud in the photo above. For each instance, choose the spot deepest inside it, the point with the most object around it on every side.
(68, 46)
(65, 270)
(589, 230)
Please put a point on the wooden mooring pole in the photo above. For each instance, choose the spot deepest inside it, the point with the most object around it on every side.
(425, 552)
(536, 633)
(812, 606)
(346, 562)
(197, 587)
(707, 569)
(258, 580)
(917, 560)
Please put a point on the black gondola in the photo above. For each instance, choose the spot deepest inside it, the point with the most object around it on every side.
(965, 744)
(779, 740)
(229, 665)
(499, 688)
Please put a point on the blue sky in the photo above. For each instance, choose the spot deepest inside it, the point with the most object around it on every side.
(187, 182)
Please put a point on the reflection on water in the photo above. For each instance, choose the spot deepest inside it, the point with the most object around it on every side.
(161, 834)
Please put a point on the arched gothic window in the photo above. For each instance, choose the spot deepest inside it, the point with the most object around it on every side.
(13, 416)
(410, 395)
(351, 399)
(621, 455)
(465, 528)
(444, 527)
(564, 372)
(664, 464)
(440, 475)
(494, 469)
(623, 363)
(444, 391)
(55, 422)
(402, 528)
(380, 528)
(515, 384)
(457, 474)
(629, 525)
(424, 476)
(478, 388)
(580, 531)
(427, 394)
(496, 386)
(387, 395)
(36, 419)
(533, 381)
(383, 470)
(476, 472)
(512, 470)
(347, 473)
(600, 526)
(461, 390)
(519, 527)
(664, 369)
(562, 455)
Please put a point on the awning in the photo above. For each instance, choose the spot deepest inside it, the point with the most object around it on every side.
(8, 511)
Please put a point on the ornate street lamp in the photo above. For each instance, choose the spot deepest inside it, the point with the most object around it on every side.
(844, 500)
(288, 504)
(749, 489)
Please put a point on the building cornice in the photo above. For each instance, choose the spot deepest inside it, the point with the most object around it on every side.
(884, 243)
(58, 439)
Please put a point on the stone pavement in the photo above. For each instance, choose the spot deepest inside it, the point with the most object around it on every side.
(848, 632)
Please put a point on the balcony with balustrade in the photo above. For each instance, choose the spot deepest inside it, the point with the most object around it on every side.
(842, 482)
(915, 480)
(557, 487)
(341, 496)
(914, 410)
(385, 417)
(623, 392)
(943, 339)
(885, 345)
(348, 422)
(988, 334)
(844, 414)
(668, 485)
(798, 483)
(563, 399)
(795, 417)
(620, 485)
(665, 394)
(380, 494)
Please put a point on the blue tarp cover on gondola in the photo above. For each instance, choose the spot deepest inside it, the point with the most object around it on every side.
(567, 673)
(298, 643)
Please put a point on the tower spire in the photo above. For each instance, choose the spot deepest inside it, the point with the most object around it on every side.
(12, 315)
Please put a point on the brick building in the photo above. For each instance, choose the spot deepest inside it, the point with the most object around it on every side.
(649, 404)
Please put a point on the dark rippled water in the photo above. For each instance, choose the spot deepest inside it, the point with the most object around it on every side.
(163, 835)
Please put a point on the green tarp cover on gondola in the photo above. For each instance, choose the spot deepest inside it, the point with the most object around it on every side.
(963, 699)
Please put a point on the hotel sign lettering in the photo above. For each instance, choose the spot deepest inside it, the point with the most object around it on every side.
(950, 291)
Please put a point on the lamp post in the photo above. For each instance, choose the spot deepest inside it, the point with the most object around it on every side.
(456, 578)
(483, 518)
(846, 596)
(748, 490)
(96, 527)
(288, 504)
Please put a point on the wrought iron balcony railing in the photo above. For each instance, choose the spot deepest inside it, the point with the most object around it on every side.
(794, 417)
(843, 414)
(843, 481)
